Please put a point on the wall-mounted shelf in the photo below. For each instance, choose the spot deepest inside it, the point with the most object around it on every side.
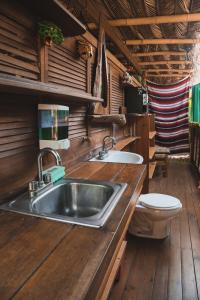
(152, 151)
(52, 91)
(131, 82)
(152, 166)
(152, 134)
(56, 12)
(143, 125)
(125, 142)
(119, 119)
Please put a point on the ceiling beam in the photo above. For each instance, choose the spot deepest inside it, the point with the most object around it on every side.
(169, 70)
(156, 20)
(195, 17)
(162, 41)
(156, 53)
(165, 62)
(167, 75)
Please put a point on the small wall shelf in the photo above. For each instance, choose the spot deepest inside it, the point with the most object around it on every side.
(119, 119)
(31, 87)
(56, 12)
(152, 134)
(143, 125)
(152, 166)
(152, 151)
(125, 142)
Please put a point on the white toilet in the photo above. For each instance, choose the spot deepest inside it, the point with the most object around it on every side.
(152, 215)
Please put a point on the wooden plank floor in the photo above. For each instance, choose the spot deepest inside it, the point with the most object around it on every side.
(170, 268)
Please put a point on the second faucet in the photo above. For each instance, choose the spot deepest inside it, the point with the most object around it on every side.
(104, 152)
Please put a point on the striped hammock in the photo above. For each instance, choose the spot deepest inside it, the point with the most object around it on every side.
(169, 103)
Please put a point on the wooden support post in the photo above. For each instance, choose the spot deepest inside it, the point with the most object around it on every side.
(44, 63)
(89, 79)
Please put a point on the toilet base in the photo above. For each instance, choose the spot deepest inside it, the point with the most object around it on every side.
(142, 226)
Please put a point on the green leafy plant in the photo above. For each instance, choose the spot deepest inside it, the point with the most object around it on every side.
(49, 32)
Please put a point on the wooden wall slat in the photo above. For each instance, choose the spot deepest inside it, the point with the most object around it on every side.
(18, 47)
(13, 132)
(9, 42)
(18, 142)
(77, 122)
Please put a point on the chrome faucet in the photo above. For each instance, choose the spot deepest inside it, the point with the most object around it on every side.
(107, 138)
(39, 160)
(35, 187)
(104, 152)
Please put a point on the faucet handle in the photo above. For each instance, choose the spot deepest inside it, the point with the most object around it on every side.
(47, 178)
(33, 185)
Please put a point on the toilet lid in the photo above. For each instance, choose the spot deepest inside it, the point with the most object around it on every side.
(159, 201)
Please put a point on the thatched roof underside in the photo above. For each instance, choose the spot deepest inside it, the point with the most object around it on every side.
(118, 9)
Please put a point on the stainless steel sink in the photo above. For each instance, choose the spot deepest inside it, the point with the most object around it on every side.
(83, 202)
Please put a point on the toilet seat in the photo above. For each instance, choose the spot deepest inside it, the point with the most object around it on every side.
(159, 201)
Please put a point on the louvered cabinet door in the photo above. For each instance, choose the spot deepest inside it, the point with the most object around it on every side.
(116, 91)
(65, 69)
(18, 46)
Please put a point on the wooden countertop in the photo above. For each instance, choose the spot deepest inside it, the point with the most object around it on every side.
(42, 259)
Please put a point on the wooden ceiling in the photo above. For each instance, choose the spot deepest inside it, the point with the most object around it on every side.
(148, 34)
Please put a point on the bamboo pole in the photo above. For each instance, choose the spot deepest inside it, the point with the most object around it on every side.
(167, 75)
(162, 41)
(194, 17)
(165, 62)
(187, 71)
(156, 53)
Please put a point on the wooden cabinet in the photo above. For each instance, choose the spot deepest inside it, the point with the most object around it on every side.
(112, 271)
(143, 126)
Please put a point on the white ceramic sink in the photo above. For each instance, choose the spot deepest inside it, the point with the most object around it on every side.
(121, 157)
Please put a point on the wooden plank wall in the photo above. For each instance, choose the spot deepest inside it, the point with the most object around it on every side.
(18, 142)
(19, 56)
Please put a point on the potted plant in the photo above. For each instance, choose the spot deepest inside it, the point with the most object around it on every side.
(50, 33)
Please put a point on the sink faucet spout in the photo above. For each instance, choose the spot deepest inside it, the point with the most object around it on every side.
(104, 152)
(40, 156)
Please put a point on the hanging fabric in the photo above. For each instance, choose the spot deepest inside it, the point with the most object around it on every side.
(195, 111)
(100, 87)
(170, 105)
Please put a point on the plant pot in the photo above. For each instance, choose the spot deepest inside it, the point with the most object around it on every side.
(48, 41)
